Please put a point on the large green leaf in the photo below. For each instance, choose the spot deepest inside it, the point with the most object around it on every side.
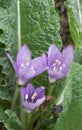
(8, 39)
(39, 24)
(74, 22)
(71, 116)
(33, 22)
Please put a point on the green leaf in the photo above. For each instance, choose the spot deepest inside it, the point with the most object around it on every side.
(74, 22)
(59, 88)
(12, 123)
(71, 116)
(9, 119)
(78, 56)
(8, 39)
(3, 116)
(39, 24)
(33, 22)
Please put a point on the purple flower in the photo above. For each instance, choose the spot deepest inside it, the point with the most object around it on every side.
(58, 109)
(26, 68)
(31, 97)
(58, 62)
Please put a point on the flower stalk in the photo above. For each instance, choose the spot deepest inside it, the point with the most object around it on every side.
(51, 87)
(15, 97)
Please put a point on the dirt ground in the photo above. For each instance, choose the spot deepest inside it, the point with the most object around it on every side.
(64, 24)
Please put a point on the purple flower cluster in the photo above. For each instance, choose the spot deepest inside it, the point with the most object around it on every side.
(56, 64)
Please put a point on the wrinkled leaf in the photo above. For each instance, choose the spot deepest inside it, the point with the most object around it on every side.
(71, 116)
(12, 123)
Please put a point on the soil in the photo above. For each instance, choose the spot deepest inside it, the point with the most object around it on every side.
(64, 24)
(2, 127)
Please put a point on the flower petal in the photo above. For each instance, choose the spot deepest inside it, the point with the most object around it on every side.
(67, 55)
(40, 92)
(51, 79)
(30, 89)
(54, 75)
(65, 71)
(23, 93)
(31, 106)
(39, 65)
(40, 101)
(53, 54)
(23, 56)
(12, 61)
(24, 74)
(45, 59)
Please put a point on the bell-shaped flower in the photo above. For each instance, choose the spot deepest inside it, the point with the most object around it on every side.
(26, 68)
(32, 97)
(58, 62)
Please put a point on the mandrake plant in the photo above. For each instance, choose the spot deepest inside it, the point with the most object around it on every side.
(40, 65)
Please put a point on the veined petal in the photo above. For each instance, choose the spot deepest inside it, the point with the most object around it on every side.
(12, 61)
(23, 56)
(53, 54)
(67, 55)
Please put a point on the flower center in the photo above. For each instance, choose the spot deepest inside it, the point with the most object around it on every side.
(27, 58)
(26, 97)
(26, 62)
(57, 66)
(32, 98)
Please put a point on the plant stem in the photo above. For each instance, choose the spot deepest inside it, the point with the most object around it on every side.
(28, 123)
(15, 97)
(25, 118)
(51, 86)
(22, 115)
(19, 24)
